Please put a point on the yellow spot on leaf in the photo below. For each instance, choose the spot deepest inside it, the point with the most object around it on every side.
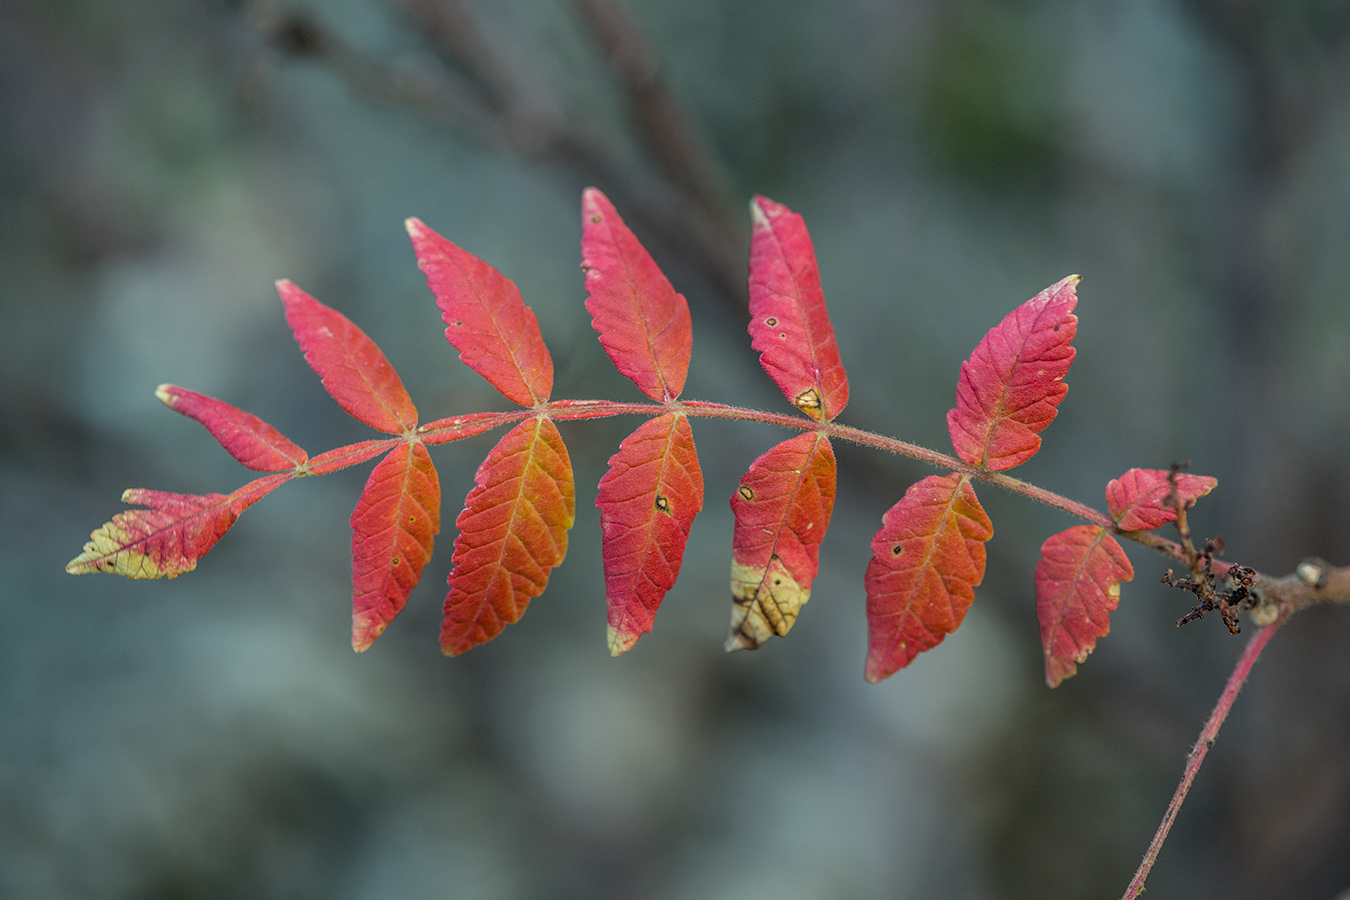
(765, 603)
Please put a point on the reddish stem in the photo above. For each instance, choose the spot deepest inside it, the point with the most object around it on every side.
(1202, 744)
(599, 409)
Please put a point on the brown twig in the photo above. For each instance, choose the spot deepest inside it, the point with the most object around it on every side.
(482, 95)
(669, 134)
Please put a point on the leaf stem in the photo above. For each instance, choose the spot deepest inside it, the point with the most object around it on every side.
(1202, 744)
(444, 430)
(590, 409)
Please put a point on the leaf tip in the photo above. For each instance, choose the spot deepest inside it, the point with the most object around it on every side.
(620, 642)
(762, 209)
(165, 394)
(414, 226)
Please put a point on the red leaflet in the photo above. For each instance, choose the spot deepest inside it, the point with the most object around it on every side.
(393, 525)
(648, 500)
(496, 334)
(782, 510)
(1077, 585)
(1140, 499)
(248, 438)
(1011, 385)
(513, 531)
(644, 325)
(168, 537)
(789, 325)
(354, 371)
(350, 455)
(443, 431)
(926, 561)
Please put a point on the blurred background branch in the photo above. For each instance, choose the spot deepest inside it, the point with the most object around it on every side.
(678, 198)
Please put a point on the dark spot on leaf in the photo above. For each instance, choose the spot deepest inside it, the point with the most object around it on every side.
(663, 503)
(747, 492)
(597, 218)
(896, 550)
(394, 560)
(771, 321)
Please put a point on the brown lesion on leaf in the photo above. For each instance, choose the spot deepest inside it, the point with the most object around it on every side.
(597, 218)
(808, 400)
(746, 492)
(765, 603)
(771, 321)
(662, 503)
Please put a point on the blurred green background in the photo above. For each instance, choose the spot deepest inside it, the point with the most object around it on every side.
(163, 163)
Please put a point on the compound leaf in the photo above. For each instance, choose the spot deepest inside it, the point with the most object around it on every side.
(513, 531)
(1011, 385)
(648, 500)
(789, 324)
(486, 320)
(643, 323)
(1141, 498)
(395, 521)
(782, 510)
(248, 438)
(354, 370)
(166, 539)
(926, 561)
(1077, 586)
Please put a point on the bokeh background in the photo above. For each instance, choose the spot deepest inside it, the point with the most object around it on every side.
(163, 162)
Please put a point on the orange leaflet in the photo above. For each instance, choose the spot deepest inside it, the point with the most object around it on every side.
(644, 325)
(393, 526)
(1141, 499)
(166, 539)
(782, 510)
(486, 320)
(648, 500)
(1011, 385)
(926, 561)
(513, 531)
(789, 325)
(354, 371)
(248, 438)
(1077, 586)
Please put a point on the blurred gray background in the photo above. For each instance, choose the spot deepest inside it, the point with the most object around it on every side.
(162, 163)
